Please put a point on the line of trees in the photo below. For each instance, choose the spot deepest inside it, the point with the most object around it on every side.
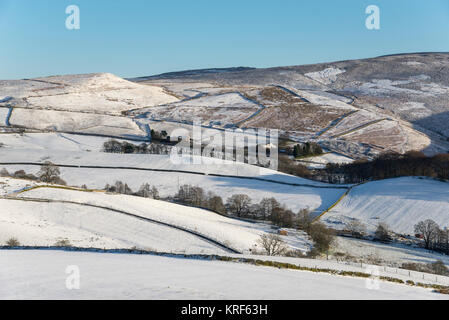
(306, 149)
(48, 173)
(114, 146)
(268, 209)
(145, 190)
(388, 166)
(239, 205)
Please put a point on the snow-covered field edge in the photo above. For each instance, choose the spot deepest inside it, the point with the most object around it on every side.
(332, 267)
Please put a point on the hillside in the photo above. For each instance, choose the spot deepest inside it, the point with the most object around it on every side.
(400, 202)
(42, 216)
(357, 108)
(83, 163)
(119, 276)
(396, 103)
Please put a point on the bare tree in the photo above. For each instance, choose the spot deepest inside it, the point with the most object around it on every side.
(282, 217)
(122, 188)
(49, 173)
(304, 220)
(13, 242)
(145, 191)
(273, 244)
(155, 193)
(356, 228)
(267, 205)
(191, 195)
(4, 173)
(429, 231)
(239, 204)
(322, 237)
(382, 232)
(112, 146)
(215, 203)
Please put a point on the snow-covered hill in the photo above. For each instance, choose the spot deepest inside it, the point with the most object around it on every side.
(92, 93)
(401, 203)
(75, 150)
(45, 215)
(41, 275)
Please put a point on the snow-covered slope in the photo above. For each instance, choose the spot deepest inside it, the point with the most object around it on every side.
(400, 202)
(43, 224)
(237, 234)
(45, 215)
(64, 121)
(41, 275)
(99, 93)
(67, 149)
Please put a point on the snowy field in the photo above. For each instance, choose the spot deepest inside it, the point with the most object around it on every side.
(319, 162)
(235, 233)
(52, 142)
(75, 122)
(67, 149)
(102, 92)
(3, 115)
(71, 149)
(229, 100)
(326, 76)
(42, 275)
(294, 197)
(401, 203)
(214, 116)
(391, 254)
(44, 224)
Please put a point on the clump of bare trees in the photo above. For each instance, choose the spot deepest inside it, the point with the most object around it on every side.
(270, 209)
(239, 204)
(434, 237)
(356, 228)
(12, 242)
(50, 173)
(322, 236)
(273, 244)
(390, 165)
(145, 190)
(382, 233)
(114, 146)
(197, 197)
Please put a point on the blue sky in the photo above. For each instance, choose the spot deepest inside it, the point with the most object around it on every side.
(145, 37)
